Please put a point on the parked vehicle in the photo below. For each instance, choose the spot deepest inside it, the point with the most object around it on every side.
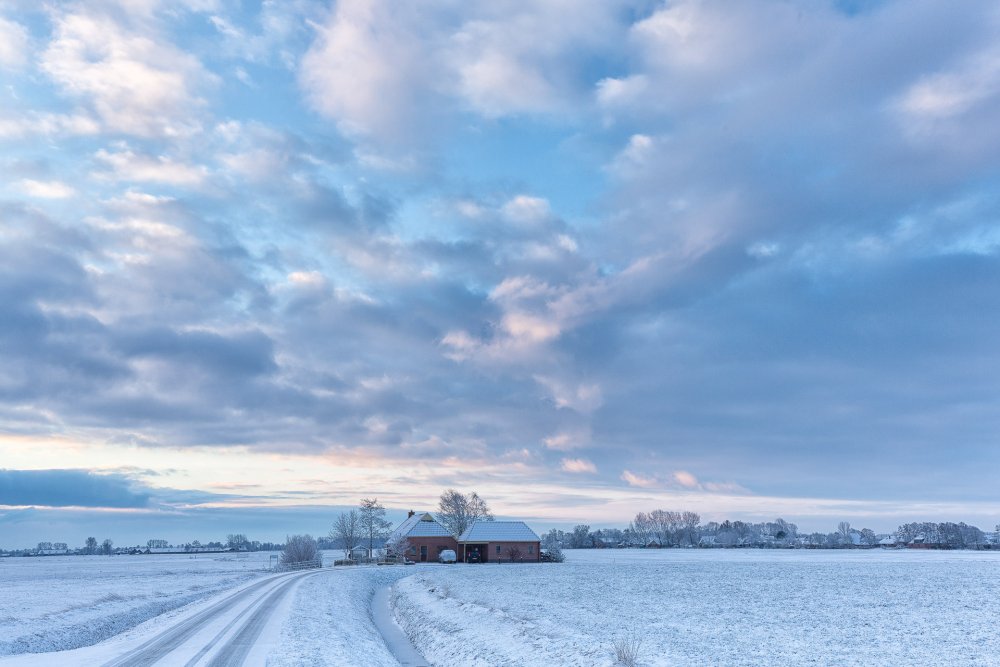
(447, 556)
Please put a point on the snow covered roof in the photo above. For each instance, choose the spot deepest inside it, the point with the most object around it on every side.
(499, 531)
(419, 525)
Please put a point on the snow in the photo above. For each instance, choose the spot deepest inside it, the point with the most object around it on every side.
(331, 624)
(695, 607)
(689, 607)
(64, 602)
(498, 531)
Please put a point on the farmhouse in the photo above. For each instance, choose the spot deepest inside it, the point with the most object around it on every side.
(425, 537)
(499, 541)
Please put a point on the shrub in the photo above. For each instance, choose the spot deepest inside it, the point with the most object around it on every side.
(628, 650)
(555, 554)
(299, 549)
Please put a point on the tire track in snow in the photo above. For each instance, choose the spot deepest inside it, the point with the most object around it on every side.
(235, 651)
(168, 641)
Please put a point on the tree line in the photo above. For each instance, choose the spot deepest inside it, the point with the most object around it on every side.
(665, 529)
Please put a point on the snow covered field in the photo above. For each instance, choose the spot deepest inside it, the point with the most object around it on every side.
(689, 607)
(697, 607)
(63, 602)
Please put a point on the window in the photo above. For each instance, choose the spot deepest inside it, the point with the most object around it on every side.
(531, 549)
(498, 548)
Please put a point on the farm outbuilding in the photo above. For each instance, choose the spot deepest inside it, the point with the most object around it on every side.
(499, 542)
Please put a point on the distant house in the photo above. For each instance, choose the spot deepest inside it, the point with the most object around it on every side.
(425, 537)
(499, 541)
(359, 553)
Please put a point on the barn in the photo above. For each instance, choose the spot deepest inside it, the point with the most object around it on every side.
(499, 542)
(425, 537)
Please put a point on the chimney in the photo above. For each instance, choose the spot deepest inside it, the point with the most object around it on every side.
(410, 514)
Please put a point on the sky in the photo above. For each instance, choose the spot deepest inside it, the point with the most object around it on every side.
(261, 259)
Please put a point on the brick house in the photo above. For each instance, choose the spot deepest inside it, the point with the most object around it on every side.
(499, 541)
(425, 537)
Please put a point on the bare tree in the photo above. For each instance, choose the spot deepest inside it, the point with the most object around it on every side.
(689, 526)
(106, 547)
(641, 528)
(299, 549)
(457, 511)
(347, 529)
(514, 554)
(578, 539)
(396, 547)
(91, 545)
(371, 517)
(844, 533)
(238, 542)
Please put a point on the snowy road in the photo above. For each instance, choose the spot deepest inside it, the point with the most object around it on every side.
(229, 646)
(240, 628)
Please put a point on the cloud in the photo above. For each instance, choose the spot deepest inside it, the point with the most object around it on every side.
(243, 354)
(686, 479)
(656, 238)
(566, 440)
(367, 66)
(524, 209)
(13, 44)
(46, 189)
(48, 124)
(126, 165)
(578, 466)
(393, 74)
(583, 397)
(135, 80)
(66, 488)
(641, 481)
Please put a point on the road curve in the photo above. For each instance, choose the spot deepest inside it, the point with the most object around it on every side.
(235, 639)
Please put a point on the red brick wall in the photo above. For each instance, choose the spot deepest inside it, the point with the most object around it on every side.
(434, 546)
(504, 555)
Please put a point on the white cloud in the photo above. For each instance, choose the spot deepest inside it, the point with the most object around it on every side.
(578, 465)
(378, 67)
(136, 83)
(565, 441)
(46, 189)
(634, 156)
(367, 67)
(686, 479)
(127, 165)
(524, 209)
(641, 481)
(48, 124)
(623, 92)
(956, 107)
(581, 397)
(13, 44)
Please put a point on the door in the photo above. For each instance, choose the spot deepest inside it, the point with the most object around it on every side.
(423, 553)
